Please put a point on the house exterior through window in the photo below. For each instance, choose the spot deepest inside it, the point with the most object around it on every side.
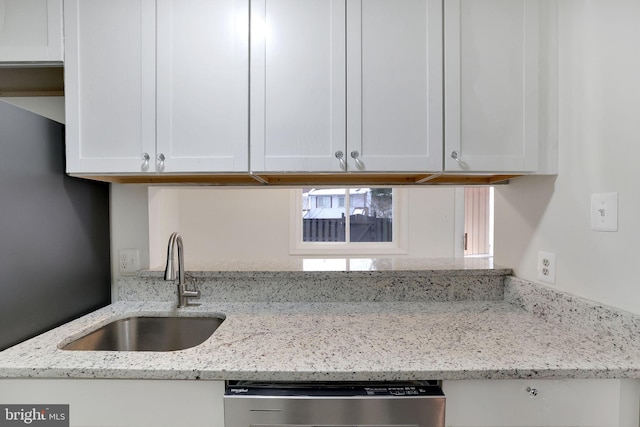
(341, 220)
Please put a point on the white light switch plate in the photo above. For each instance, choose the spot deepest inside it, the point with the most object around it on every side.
(604, 212)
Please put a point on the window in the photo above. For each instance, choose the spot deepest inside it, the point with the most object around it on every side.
(359, 221)
(323, 201)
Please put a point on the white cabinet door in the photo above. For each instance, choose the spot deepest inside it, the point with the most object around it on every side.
(123, 402)
(31, 31)
(549, 403)
(491, 85)
(375, 105)
(110, 85)
(297, 85)
(203, 79)
(394, 84)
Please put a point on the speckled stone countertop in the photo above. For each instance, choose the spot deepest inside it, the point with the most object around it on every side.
(522, 335)
(382, 265)
(331, 280)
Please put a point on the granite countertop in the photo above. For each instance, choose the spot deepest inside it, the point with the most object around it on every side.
(340, 341)
(380, 265)
(473, 321)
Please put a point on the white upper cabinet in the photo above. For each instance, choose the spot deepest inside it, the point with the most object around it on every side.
(203, 94)
(182, 109)
(491, 85)
(420, 86)
(298, 85)
(31, 31)
(394, 85)
(110, 85)
(346, 86)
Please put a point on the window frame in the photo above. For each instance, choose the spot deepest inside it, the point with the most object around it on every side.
(398, 245)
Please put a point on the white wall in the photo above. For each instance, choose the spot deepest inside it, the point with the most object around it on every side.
(224, 224)
(248, 224)
(129, 222)
(599, 149)
(51, 107)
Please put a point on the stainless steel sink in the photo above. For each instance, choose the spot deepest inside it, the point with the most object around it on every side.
(148, 334)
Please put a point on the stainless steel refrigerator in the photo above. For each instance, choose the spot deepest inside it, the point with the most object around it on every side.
(54, 231)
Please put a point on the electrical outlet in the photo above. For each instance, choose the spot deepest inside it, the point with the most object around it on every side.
(547, 267)
(129, 260)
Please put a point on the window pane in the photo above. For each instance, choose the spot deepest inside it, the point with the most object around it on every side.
(323, 202)
(323, 218)
(371, 215)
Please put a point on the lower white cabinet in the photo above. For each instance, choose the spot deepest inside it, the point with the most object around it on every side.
(552, 403)
(117, 403)
(470, 403)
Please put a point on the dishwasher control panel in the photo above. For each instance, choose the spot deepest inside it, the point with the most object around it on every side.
(338, 404)
(248, 388)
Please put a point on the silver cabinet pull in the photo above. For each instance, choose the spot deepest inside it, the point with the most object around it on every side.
(145, 162)
(355, 155)
(161, 160)
(456, 156)
(533, 392)
(340, 156)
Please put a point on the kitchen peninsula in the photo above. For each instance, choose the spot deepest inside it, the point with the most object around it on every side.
(446, 320)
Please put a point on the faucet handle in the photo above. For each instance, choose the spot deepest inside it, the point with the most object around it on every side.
(191, 294)
(185, 295)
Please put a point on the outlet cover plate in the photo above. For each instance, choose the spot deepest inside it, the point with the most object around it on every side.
(604, 212)
(128, 261)
(547, 267)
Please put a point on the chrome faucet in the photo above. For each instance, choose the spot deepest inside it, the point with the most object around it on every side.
(184, 294)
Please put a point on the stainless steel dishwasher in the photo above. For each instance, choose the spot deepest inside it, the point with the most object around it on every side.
(410, 404)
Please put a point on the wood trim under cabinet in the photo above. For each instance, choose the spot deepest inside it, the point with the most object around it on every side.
(31, 81)
(293, 180)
